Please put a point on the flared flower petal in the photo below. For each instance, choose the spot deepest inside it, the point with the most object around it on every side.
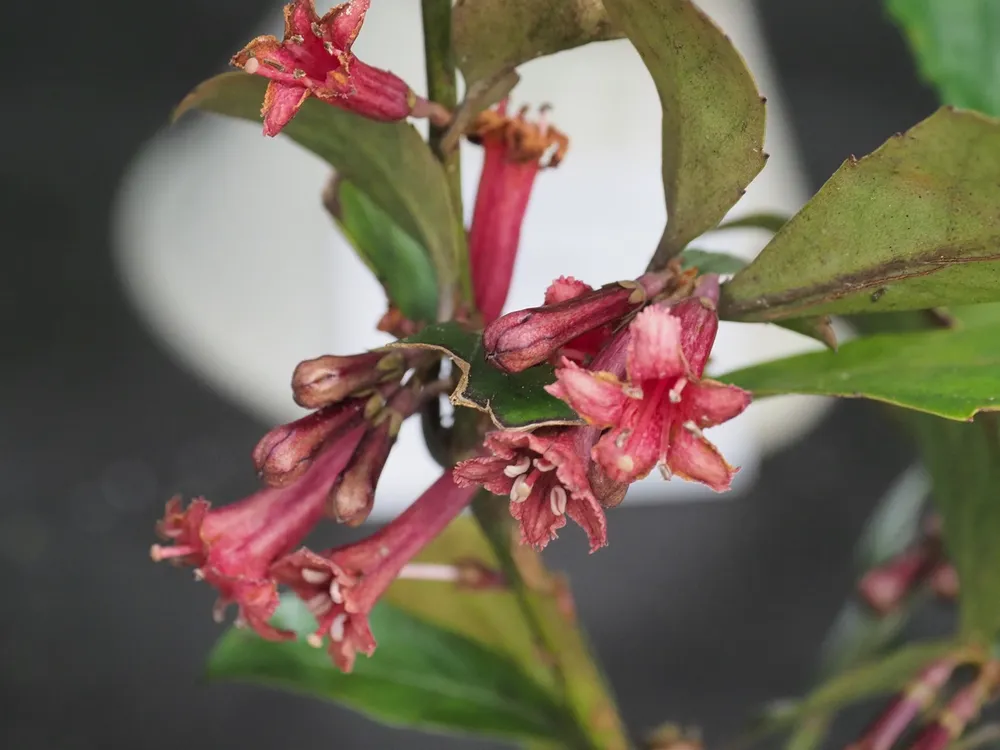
(691, 456)
(596, 396)
(713, 402)
(654, 353)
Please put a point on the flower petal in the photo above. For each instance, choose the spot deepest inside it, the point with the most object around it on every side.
(564, 288)
(589, 515)
(281, 102)
(632, 448)
(268, 57)
(711, 403)
(597, 397)
(343, 22)
(693, 457)
(654, 351)
(539, 525)
(486, 471)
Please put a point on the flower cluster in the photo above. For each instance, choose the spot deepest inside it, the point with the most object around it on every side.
(629, 359)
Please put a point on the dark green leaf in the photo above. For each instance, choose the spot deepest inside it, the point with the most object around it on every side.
(707, 261)
(911, 226)
(952, 374)
(818, 327)
(895, 523)
(492, 36)
(420, 676)
(858, 635)
(964, 464)
(389, 162)
(399, 263)
(766, 221)
(810, 733)
(955, 44)
(713, 115)
(515, 401)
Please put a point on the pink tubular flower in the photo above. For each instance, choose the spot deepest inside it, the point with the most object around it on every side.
(342, 585)
(584, 347)
(545, 475)
(332, 378)
(522, 339)
(658, 413)
(894, 720)
(233, 547)
(514, 150)
(315, 59)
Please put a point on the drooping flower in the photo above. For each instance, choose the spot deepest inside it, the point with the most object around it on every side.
(340, 586)
(545, 475)
(522, 339)
(515, 150)
(314, 59)
(658, 413)
(233, 547)
(918, 696)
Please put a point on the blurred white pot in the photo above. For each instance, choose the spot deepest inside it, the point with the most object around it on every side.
(243, 281)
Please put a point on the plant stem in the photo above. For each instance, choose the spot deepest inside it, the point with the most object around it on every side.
(442, 89)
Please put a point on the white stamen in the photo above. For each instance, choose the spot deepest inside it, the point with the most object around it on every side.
(542, 465)
(335, 593)
(219, 611)
(675, 392)
(513, 470)
(240, 623)
(693, 429)
(665, 472)
(622, 438)
(430, 572)
(314, 640)
(625, 462)
(632, 391)
(315, 577)
(557, 500)
(337, 627)
(319, 605)
(521, 490)
(252, 65)
(199, 574)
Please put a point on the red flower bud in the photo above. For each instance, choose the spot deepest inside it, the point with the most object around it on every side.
(329, 379)
(519, 340)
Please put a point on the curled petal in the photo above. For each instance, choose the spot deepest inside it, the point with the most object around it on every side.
(691, 456)
(595, 396)
(281, 102)
(654, 351)
(343, 22)
(588, 514)
(714, 403)
(564, 288)
(485, 471)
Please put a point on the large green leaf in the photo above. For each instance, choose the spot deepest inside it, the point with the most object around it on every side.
(713, 115)
(708, 261)
(420, 676)
(399, 263)
(952, 374)
(964, 463)
(389, 162)
(911, 226)
(513, 401)
(956, 44)
(493, 36)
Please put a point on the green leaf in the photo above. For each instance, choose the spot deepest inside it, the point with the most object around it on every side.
(956, 44)
(964, 464)
(952, 374)
(858, 635)
(389, 162)
(713, 115)
(516, 401)
(912, 225)
(707, 261)
(420, 676)
(399, 263)
(895, 523)
(493, 36)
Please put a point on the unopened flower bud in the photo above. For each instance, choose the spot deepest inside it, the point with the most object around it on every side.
(351, 498)
(285, 452)
(963, 708)
(329, 379)
(522, 339)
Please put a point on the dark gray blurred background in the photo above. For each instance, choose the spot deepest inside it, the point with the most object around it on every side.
(100, 648)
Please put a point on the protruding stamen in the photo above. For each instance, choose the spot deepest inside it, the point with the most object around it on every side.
(328, 46)
(219, 611)
(252, 65)
(513, 470)
(337, 627)
(521, 489)
(317, 29)
(557, 500)
(626, 463)
(159, 552)
(314, 640)
(430, 572)
(319, 605)
(665, 472)
(335, 593)
(675, 393)
(693, 429)
(199, 574)
(296, 39)
(240, 623)
(542, 465)
(315, 577)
